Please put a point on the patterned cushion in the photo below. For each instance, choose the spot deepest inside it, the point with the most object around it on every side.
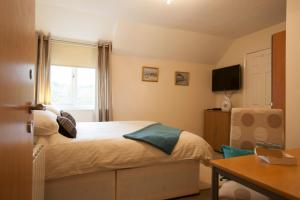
(249, 126)
(69, 116)
(66, 127)
(231, 190)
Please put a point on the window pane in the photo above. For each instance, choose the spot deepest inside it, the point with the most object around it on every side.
(85, 91)
(61, 85)
(73, 87)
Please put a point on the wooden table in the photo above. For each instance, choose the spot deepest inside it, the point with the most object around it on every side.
(278, 182)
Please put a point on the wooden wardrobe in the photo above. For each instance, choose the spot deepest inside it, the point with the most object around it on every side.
(217, 128)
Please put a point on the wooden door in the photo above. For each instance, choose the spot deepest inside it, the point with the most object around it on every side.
(278, 70)
(17, 37)
(258, 79)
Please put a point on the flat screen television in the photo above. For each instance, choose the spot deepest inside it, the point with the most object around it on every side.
(226, 79)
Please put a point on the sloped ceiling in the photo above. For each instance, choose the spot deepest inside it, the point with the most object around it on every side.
(190, 30)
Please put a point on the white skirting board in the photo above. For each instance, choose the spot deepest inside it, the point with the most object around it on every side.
(152, 182)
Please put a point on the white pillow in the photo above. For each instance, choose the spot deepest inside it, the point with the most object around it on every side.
(51, 139)
(53, 109)
(44, 122)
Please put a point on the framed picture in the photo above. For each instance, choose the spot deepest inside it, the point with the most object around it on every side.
(182, 78)
(150, 74)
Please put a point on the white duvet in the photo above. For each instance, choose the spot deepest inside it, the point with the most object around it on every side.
(100, 146)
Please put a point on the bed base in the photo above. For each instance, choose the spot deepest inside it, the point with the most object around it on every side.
(151, 182)
(91, 186)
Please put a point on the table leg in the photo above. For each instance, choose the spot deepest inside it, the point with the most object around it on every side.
(215, 184)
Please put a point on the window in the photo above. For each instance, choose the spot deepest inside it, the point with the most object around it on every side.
(73, 87)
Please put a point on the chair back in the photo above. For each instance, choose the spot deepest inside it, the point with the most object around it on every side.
(249, 126)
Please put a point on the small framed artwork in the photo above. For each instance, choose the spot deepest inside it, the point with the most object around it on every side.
(182, 78)
(150, 74)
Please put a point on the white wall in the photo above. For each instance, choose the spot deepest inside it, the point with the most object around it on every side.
(237, 51)
(133, 39)
(165, 43)
(162, 101)
(66, 23)
(292, 74)
(178, 106)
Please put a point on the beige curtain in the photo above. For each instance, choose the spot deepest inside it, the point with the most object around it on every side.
(104, 81)
(42, 83)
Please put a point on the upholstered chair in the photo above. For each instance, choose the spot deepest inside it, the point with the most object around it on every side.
(249, 126)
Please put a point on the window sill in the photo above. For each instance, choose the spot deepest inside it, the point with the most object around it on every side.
(78, 109)
(73, 108)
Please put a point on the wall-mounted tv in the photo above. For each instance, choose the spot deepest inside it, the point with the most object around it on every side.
(227, 78)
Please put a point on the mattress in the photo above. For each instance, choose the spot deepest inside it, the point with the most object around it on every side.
(100, 146)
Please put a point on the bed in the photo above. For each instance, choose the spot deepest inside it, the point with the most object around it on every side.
(101, 164)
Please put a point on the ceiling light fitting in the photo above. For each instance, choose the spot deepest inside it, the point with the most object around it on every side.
(168, 2)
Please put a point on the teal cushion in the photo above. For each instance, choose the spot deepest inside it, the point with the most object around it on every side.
(230, 152)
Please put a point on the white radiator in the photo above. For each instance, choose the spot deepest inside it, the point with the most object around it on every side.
(38, 181)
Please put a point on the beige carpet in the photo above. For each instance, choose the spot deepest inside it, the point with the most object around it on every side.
(204, 195)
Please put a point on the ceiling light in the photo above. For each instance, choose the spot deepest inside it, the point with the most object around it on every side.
(168, 2)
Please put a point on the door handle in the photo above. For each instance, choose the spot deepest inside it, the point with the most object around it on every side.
(27, 107)
(36, 107)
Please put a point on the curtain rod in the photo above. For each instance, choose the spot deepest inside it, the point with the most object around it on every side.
(57, 39)
(73, 42)
(79, 43)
